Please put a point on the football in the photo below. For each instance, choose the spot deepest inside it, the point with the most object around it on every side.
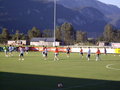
(60, 85)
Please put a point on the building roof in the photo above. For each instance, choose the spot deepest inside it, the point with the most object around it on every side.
(42, 39)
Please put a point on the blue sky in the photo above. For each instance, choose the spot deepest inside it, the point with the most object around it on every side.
(113, 2)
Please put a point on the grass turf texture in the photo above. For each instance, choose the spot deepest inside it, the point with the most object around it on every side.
(35, 73)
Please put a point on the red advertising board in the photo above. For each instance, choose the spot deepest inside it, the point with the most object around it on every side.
(51, 49)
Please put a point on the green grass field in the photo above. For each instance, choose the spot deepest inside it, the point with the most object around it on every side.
(35, 73)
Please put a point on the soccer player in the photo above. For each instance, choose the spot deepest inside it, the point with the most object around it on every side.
(56, 54)
(21, 56)
(105, 51)
(98, 55)
(13, 48)
(68, 51)
(26, 49)
(81, 51)
(5, 48)
(45, 53)
(88, 53)
(10, 50)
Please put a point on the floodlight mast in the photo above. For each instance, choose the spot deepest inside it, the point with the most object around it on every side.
(54, 22)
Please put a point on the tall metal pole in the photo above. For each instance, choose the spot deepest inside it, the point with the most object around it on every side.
(54, 22)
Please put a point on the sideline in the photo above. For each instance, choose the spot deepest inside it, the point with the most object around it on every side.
(109, 67)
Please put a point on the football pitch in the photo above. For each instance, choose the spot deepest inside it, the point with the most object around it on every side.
(75, 73)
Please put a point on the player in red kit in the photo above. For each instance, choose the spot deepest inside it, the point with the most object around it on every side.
(81, 52)
(98, 54)
(56, 54)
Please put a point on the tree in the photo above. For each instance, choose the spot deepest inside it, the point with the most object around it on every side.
(81, 36)
(67, 33)
(1, 38)
(16, 36)
(34, 32)
(58, 34)
(47, 33)
(5, 34)
(22, 36)
(100, 38)
(118, 35)
(108, 33)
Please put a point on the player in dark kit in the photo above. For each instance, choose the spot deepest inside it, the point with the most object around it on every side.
(68, 51)
(105, 51)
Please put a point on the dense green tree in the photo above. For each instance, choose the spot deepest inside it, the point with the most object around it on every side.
(22, 36)
(5, 34)
(47, 33)
(81, 36)
(108, 33)
(100, 38)
(58, 34)
(1, 38)
(34, 32)
(16, 36)
(67, 32)
(116, 35)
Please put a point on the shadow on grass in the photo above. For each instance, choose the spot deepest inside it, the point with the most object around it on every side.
(17, 81)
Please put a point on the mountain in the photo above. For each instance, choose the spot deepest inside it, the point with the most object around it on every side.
(112, 12)
(24, 14)
(81, 21)
(77, 4)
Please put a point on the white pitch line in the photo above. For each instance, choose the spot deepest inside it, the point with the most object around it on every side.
(108, 67)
